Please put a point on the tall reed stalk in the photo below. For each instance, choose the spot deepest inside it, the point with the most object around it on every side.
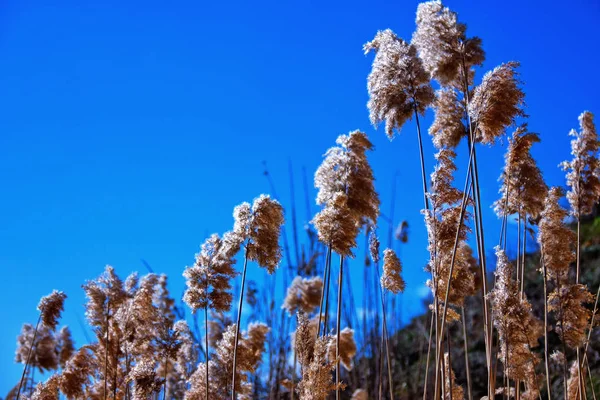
(338, 329)
(237, 328)
(29, 356)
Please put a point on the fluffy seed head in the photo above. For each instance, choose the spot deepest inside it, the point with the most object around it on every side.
(304, 294)
(66, 346)
(347, 348)
(51, 307)
(523, 188)
(447, 128)
(392, 270)
(572, 316)
(374, 246)
(398, 84)
(208, 280)
(346, 190)
(77, 372)
(47, 390)
(555, 238)
(497, 102)
(144, 378)
(442, 43)
(583, 170)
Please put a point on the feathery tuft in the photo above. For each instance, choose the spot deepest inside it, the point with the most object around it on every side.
(304, 294)
(208, 280)
(442, 43)
(497, 102)
(447, 128)
(51, 307)
(555, 237)
(345, 182)
(398, 84)
(392, 270)
(582, 175)
(347, 348)
(523, 188)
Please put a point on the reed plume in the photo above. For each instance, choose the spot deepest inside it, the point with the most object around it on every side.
(523, 188)
(145, 380)
(65, 346)
(443, 44)
(582, 170)
(303, 295)
(573, 317)
(76, 374)
(448, 127)
(392, 272)
(48, 390)
(555, 238)
(496, 102)
(345, 182)
(51, 307)
(37, 349)
(259, 228)
(347, 348)
(398, 84)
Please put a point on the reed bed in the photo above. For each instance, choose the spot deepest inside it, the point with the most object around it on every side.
(523, 332)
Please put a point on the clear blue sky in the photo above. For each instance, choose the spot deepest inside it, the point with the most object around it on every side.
(129, 130)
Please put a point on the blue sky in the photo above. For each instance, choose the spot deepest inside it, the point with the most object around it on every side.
(129, 130)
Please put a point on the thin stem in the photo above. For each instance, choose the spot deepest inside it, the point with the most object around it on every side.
(293, 377)
(468, 370)
(387, 343)
(328, 284)
(337, 339)
(523, 256)
(380, 375)
(237, 328)
(452, 262)
(428, 356)
(591, 328)
(117, 370)
(581, 386)
(562, 338)
(422, 157)
(426, 202)
(165, 378)
(449, 374)
(479, 228)
(206, 345)
(29, 355)
(591, 380)
(106, 347)
(324, 289)
(547, 364)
